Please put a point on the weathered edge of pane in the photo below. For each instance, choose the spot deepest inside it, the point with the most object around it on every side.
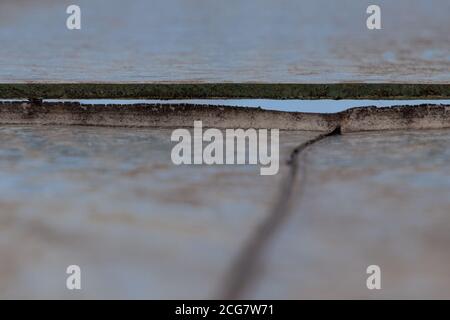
(333, 91)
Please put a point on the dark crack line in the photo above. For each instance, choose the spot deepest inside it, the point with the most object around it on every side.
(243, 271)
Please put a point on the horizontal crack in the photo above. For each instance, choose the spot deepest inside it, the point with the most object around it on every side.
(430, 116)
(334, 91)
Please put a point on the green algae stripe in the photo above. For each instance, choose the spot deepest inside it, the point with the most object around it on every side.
(334, 91)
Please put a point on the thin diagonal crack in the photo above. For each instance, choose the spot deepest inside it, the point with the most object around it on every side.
(244, 269)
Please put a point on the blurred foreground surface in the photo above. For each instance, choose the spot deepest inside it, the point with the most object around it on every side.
(111, 201)
(288, 41)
